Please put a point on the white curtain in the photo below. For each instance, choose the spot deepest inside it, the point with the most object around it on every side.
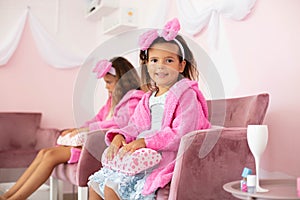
(51, 50)
(10, 44)
(198, 14)
(195, 15)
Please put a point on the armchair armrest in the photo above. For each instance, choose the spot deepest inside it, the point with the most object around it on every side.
(90, 158)
(46, 137)
(207, 159)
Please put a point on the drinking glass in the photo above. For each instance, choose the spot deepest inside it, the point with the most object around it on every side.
(257, 137)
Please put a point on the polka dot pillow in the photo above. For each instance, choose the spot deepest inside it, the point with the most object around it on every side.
(74, 141)
(134, 163)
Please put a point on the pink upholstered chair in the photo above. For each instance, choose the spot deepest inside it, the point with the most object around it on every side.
(199, 172)
(21, 137)
(207, 159)
(77, 174)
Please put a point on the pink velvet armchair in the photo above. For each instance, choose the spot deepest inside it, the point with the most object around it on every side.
(206, 160)
(78, 173)
(21, 137)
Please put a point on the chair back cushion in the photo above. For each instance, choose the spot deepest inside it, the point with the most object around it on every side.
(18, 130)
(238, 112)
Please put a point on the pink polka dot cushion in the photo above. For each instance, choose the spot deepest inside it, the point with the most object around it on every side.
(134, 163)
(73, 141)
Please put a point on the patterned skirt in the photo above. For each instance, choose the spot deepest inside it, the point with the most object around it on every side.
(125, 186)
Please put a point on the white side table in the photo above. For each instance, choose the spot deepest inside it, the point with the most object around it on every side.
(284, 189)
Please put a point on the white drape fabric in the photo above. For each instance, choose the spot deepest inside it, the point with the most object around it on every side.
(51, 50)
(53, 53)
(195, 15)
(10, 44)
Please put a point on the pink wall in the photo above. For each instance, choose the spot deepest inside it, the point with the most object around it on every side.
(27, 83)
(266, 52)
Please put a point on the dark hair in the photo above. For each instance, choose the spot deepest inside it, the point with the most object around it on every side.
(127, 76)
(190, 70)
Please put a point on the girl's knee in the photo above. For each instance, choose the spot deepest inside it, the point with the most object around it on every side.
(109, 193)
(53, 156)
(45, 151)
(91, 190)
(93, 194)
(41, 154)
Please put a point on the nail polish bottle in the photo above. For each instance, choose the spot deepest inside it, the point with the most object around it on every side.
(245, 173)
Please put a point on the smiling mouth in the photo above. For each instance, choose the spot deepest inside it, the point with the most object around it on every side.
(161, 74)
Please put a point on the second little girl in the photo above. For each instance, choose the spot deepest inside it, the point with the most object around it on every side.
(122, 83)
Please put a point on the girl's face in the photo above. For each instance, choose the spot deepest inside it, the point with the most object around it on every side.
(164, 66)
(110, 82)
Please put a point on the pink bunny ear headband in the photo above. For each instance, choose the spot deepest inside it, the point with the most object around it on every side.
(169, 32)
(103, 67)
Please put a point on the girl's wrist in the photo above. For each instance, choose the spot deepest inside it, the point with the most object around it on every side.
(83, 129)
(120, 136)
(118, 140)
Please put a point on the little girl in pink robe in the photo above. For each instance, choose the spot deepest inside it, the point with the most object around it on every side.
(173, 107)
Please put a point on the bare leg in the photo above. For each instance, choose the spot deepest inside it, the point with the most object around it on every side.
(110, 194)
(39, 171)
(26, 174)
(93, 195)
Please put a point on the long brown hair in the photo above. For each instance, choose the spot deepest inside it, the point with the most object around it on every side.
(128, 79)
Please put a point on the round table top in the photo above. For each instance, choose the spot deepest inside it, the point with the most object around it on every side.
(278, 189)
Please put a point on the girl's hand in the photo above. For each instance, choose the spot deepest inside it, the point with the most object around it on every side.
(67, 131)
(114, 147)
(164, 192)
(132, 146)
(78, 130)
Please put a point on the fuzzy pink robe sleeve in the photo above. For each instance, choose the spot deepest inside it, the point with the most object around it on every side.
(123, 110)
(101, 115)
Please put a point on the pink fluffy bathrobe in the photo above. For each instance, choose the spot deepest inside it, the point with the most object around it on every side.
(122, 113)
(185, 111)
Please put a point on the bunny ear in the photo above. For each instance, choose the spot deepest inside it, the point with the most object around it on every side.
(171, 29)
(172, 25)
(169, 32)
(102, 67)
(147, 38)
(98, 66)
